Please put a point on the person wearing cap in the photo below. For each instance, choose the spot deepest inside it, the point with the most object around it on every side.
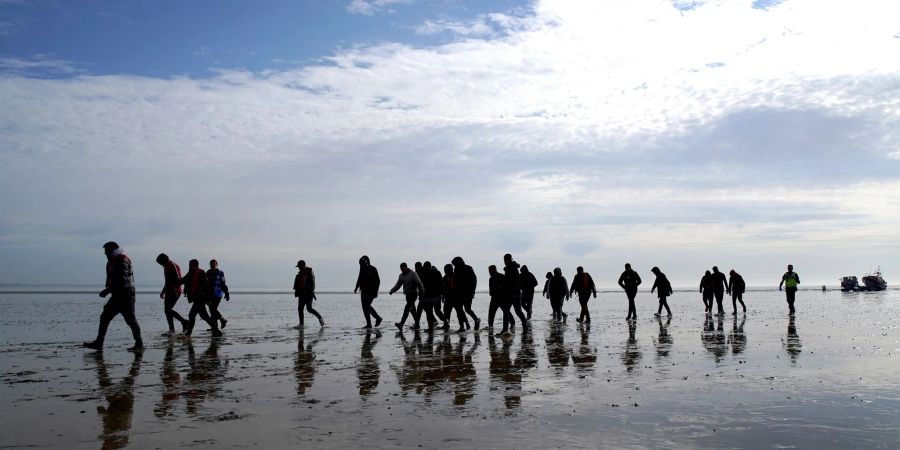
(305, 291)
(412, 289)
(367, 284)
(663, 289)
(629, 281)
(196, 289)
(171, 292)
(790, 280)
(215, 278)
(465, 283)
(119, 283)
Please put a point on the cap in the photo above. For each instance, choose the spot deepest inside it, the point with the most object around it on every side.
(111, 245)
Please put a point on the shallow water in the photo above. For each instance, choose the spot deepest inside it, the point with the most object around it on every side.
(828, 379)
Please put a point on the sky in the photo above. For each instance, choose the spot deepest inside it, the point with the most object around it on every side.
(679, 134)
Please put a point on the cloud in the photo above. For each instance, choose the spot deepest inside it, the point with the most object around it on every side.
(371, 7)
(644, 131)
(37, 66)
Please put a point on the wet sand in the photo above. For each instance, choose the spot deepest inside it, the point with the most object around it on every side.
(827, 379)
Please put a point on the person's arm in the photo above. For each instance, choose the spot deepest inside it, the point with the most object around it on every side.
(376, 283)
(574, 282)
(797, 277)
(593, 287)
(397, 286)
(224, 286)
(638, 279)
(419, 285)
(782, 281)
(358, 281)
(622, 280)
(701, 283)
(655, 283)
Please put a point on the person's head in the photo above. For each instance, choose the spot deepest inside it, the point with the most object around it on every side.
(627, 266)
(403, 267)
(549, 275)
(492, 269)
(790, 267)
(507, 258)
(457, 261)
(524, 269)
(364, 260)
(426, 265)
(418, 266)
(162, 259)
(448, 269)
(213, 264)
(557, 272)
(301, 264)
(732, 272)
(579, 269)
(194, 264)
(707, 273)
(655, 270)
(715, 269)
(110, 247)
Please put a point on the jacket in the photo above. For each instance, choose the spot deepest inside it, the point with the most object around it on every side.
(737, 284)
(172, 276)
(368, 281)
(495, 285)
(305, 283)
(662, 285)
(464, 282)
(119, 275)
(195, 285)
(411, 284)
(215, 278)
(558, 288)
(583, 284)
(527, 281)
(433, 282)
(629, 280)
(511, 280)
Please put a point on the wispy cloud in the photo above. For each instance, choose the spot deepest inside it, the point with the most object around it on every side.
(38, 65)
(370, 7)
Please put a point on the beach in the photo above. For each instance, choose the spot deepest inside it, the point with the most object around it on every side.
(826, 379)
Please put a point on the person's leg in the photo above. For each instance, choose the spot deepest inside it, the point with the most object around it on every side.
(448, 309)
(632, 309)
(507, 316)
(108, 314)
(406, 312)
(460, 316)
(734, 296)
(492, 310)
(192, 318)
(791, 295)
(468, 307)
(209, 320)
(517, 305)
(719, 296)
(309, 307)
(666, 304)
(169, 305)
(659, 310)
(527, 301)
(371, 309)
(740, 298)
(127, 311)
(300, 305)
(365, 310)
(556, 305)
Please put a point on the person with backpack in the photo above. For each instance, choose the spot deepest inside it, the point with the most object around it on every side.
(664, 289)
(217, 289)
(583, 284)
(790, 280)
(305, 291)
(119, 283)
(736, 287)
(196, 289)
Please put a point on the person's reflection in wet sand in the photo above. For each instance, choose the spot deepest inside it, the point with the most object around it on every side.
(504, 374)
(664, 341)
(463, 375)
(205, 376)
(586, 356)
(117, 414)
(792, 345)
(368, 371)
(430, 370)
(409, 375)
(737, 338)
(171, 382)
(713, 337)
(557, 353)
(631, 357)
(305, 361)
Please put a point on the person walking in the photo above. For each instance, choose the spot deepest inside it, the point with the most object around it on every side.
(430, 301)
(719, 286)
(449, 294)
(790, 280)
(466, 282)
(736, 287)
(500, 298)
(706, 291)
(664, 289)
(119, 283)
(215, 278)
(558, 291)
(527, 284)
(412, 289)
(512, 287)
(171, 292)
(305, 291)
(583, 284)
(196, 289)
(629, 281)
(367, 283)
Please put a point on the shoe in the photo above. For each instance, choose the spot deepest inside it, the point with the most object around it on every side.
(414, 327)
(656, 315)
(446, 326)
(184, 327)
(138, 348)
(224, 322)
(477, 323)
(367, 327)
(461, 330)
(669, 315)
(169, 333)
(93, 345)
(399, 326)
(377, 321)
(628, 318)
(579, 320)
(217, 333)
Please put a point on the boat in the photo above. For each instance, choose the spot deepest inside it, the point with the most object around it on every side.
(849, 284)
(874, 282)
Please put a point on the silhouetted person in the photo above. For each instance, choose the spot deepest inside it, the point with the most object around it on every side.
(792, 345)
(558, 291)
(466, 282)
(583, 284)
(367, 283)
(719, 285)
(527, 283)
(206, 375)
(547, 284)
(196, 288)
(706, 291)
(663, 289)
(367, 371)
(119, 409)
(171, 291)
(450, 294)
(119, 283)
(305, 291)
(512, 287)
(412, 288)
(430, 300)
(736, 288)
(170, 380)
(499, 299)
(629, 281)
(790, 280)
(217, 289)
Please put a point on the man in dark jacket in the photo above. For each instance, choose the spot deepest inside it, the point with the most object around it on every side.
(629, 281)
(367, 283)
(305, 291)
(499, 299)
(719, 285)
(171, 292)
(558, 291)
(513, 290)
(663, 289)
(466, 282)
(527, 283)
(196, 288)
(430, 302)
(449, 293)
(215, 279)
(736, 287)
(119, 283)
(583, 284)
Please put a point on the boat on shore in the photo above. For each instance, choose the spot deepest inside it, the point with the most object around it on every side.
(850, 284)
(874, 281)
